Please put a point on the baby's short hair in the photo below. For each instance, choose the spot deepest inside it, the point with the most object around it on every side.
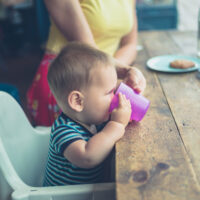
(70, 70)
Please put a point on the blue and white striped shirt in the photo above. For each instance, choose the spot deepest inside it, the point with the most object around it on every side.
(60, 171)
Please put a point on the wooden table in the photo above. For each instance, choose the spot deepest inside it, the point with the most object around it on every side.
(159, 158)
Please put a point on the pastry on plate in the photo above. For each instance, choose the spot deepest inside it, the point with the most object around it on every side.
(182, 64)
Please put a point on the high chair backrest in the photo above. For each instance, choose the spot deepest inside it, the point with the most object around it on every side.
(23, 149)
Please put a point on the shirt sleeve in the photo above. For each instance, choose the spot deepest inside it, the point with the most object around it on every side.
(63, 136)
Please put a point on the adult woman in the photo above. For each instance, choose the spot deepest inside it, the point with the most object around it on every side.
(109, 25)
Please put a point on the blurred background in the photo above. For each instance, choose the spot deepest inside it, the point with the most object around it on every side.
(24, 30)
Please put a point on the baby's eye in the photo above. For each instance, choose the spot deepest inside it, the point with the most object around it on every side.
(111, 92)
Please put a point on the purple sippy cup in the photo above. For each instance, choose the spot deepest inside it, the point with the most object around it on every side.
(139, 104)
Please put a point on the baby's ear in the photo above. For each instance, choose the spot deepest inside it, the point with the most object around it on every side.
(75, 100)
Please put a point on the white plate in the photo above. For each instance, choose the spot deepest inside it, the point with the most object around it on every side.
(162, 63)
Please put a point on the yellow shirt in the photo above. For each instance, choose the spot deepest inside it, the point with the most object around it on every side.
(109, 20)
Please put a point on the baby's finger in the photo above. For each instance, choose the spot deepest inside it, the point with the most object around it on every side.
(128, 103)
(139, 88)
(121, 99)
(125, 99)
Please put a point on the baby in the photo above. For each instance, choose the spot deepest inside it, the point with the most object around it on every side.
(83, 81)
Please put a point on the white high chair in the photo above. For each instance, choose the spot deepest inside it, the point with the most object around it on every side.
(23, 154)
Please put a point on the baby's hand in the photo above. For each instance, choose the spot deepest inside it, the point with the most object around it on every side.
(123, 112)
(135, 79)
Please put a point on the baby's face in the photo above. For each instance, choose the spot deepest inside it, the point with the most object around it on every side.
(99, 94)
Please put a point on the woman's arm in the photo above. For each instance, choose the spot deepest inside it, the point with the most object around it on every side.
(70, 20)
(127, 51)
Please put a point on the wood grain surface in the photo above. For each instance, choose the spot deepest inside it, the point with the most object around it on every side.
(159, 158)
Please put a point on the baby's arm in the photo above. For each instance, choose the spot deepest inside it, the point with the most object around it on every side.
(89, 154)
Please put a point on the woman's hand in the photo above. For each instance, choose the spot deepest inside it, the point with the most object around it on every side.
(135, 79)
